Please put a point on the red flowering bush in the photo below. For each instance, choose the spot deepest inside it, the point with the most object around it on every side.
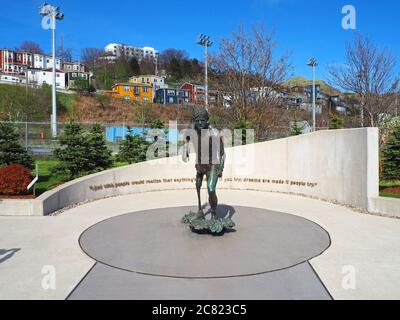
(14, 179)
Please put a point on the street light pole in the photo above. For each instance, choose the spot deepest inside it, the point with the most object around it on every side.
(52, 13)
(54, 91)
(313, 63)
(205, 42)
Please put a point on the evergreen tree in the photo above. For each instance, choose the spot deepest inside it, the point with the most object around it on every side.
(83, 87)
(336, 122)
(81, 153)
(296, 129)
(133, 149)
(10, 150)
(243, 125)
(175, 70)
(135, 67)
(391, 156)
(121, 70)
(73, 154)
(99, 155)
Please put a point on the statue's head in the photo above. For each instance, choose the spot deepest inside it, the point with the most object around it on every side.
(200, 119)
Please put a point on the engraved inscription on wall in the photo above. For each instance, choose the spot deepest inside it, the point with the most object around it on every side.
(301, 184)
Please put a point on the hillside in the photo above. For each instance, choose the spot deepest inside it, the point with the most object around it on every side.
(300, 81)
(19, 103)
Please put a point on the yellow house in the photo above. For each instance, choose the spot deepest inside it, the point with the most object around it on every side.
(156, 81)
(133, 92)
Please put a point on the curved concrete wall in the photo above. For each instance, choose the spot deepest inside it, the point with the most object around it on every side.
(340, 166)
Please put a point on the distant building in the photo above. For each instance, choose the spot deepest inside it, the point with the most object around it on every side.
(156, 81)
(40, 77)
(71, 77)
(41, 61)
(167, 96)
(74, 67)
(114, 51)
(308, 90)
(73, 71)
(133, 92)
(11, 79)
(15, 62)
(336, 104)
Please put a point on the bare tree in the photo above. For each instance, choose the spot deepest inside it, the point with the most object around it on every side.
(168, 54)
(65, 54)
(247, 71)
(147, 66)
(90, 56)
(369, 72)
(31, 47)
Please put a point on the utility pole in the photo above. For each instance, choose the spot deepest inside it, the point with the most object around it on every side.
(205, 42)
(313, 63)
(52, 13)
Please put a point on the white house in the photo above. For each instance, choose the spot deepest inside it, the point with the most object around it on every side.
(8, 78)
(40, 77)
(41, 61)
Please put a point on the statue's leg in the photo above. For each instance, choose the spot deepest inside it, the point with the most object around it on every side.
(199, 183)
(212, 179)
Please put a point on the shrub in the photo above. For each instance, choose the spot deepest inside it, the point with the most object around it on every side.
(14, 179)
(391, 156)
(10, 149)
(336, 122)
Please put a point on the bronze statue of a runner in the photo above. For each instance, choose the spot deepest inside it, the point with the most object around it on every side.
(210, 161)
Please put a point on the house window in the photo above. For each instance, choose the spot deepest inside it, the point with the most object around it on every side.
(145, 99)
(127, 98)
(126, 88)
(74, 75)
(145, 90)
(137, 91)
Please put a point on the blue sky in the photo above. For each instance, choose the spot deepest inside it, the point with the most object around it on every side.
(303, 28)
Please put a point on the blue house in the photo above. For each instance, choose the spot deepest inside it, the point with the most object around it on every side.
(166, 96)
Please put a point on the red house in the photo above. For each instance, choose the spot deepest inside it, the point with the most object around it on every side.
(14, 62)
(196, 93)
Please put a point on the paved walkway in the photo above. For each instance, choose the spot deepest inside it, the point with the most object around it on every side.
(362, 262)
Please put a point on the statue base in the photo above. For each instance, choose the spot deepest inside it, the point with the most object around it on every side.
(199, 224)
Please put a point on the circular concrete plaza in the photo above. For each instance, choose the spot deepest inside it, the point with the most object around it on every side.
(156, 243)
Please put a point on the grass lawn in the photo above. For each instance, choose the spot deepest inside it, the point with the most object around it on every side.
(47, 181)
(389, 184)
(67, 101)
(388, 195)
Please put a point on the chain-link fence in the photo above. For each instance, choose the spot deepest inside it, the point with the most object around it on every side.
(36, 136)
